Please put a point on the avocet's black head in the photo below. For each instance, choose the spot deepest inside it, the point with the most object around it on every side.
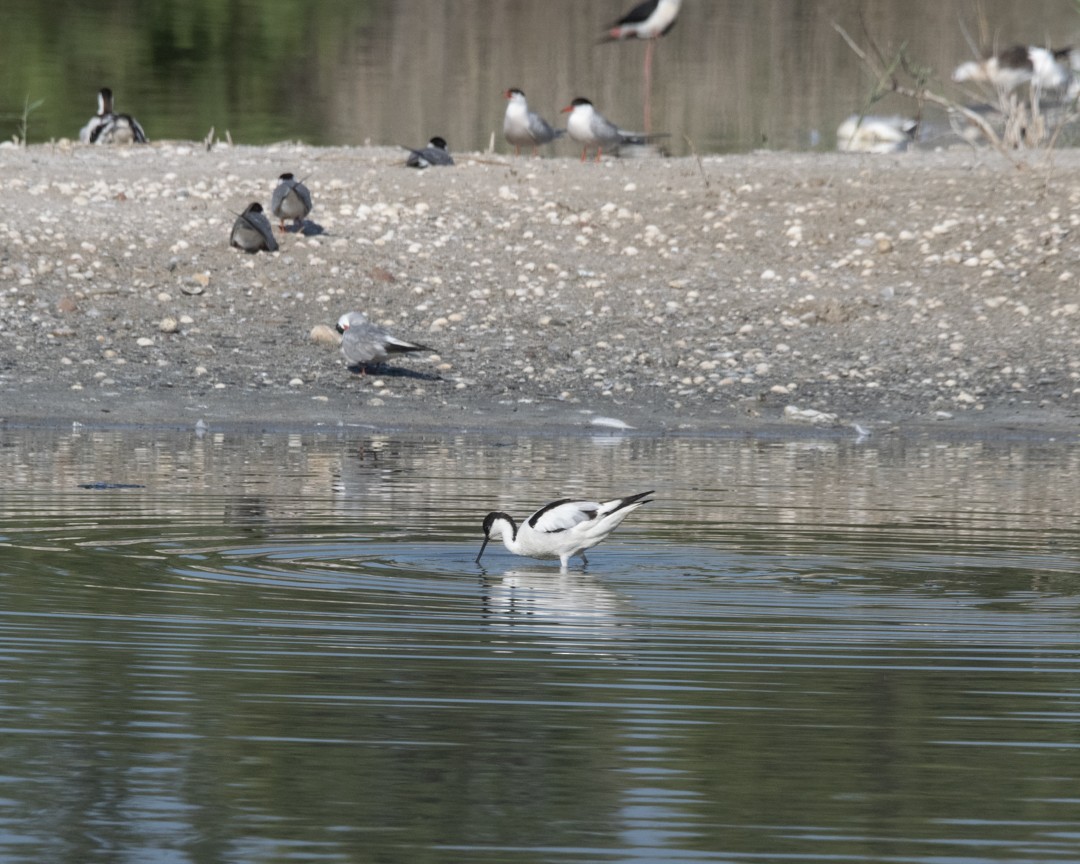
(489, 521)
(438, 143)
(105, 101)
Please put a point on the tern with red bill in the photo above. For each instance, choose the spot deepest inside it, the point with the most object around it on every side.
(525, 128)
(590, 128)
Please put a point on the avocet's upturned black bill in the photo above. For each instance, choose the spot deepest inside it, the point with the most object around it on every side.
(561, 529)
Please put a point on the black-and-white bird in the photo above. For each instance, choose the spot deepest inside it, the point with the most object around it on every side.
(108, 127)
(649, 20)
(434, 154)
(1042, 68)
(252, 232)
(365, 344)
(871, 134)
(590, 128)
(561, 529)
(291, 200)
(525, 128)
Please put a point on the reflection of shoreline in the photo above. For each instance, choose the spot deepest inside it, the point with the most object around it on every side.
(425, 488)
(547, 596)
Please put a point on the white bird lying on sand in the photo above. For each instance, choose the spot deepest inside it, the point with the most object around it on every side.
(875, 134)
(365, 344)
(561, 529)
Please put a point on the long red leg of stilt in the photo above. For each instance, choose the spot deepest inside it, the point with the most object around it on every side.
(584, 151)
(649, 49)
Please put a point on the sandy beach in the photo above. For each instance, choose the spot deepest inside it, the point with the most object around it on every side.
(792, 292)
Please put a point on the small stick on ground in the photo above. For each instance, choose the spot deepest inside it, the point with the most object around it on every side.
(701, 167)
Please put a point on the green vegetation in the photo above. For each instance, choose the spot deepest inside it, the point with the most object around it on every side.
(161, 57)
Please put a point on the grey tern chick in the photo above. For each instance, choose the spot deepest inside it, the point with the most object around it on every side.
(434, 154)
(291, 200)
(365, 344)
(252, 232)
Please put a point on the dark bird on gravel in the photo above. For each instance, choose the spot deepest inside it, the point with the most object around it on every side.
(365, 344)
(252, 232)
(291, 200)
(108, 127)
(649, 20)
(525, 128)
(561, 529)
(434, 154)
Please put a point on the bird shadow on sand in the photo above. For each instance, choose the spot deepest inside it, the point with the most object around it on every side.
(308, 229)
(384, 371)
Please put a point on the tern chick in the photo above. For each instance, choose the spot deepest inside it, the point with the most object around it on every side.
(434, 154)
(291, 200)
(365, 344)
(252, 232)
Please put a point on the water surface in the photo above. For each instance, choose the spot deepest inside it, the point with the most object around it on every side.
(732, 75)
(280, 648)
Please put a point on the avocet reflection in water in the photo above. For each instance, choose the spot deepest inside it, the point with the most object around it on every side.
(245, 648)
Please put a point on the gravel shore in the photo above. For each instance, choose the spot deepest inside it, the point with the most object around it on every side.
(737, 293)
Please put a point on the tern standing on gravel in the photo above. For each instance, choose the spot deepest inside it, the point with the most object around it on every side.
(365, 344)
(291, 200)
(525, 128)
(561, 529)
(590, 128)
(252, 232)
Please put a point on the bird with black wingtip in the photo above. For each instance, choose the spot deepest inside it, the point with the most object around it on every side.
(649, 20)
(108, 127)
(291, 200)
(525, 128)
(365, 344)
(252, 231)
(434, 155)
